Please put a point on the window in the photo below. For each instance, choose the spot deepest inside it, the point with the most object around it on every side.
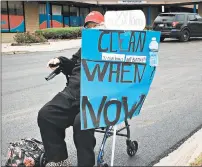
(12, 16)
(42, 9)
(56, 10)
(66, 10)
(74, 11)
(191, 17)
(4, 17)
(66, 15)
(180, 17)
(42, 16)
(56, 18)
(4, 9)
(15, 8)
(84, 12)
(75, 19)
(165, 17)
(99, 9)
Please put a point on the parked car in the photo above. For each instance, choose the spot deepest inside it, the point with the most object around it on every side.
(178, 25)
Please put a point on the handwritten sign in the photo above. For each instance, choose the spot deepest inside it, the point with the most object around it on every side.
(125, 20)
(116, 75)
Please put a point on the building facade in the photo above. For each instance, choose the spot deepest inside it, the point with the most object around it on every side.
(24, 16)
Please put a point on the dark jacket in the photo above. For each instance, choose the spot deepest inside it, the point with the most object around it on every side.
(71, 69)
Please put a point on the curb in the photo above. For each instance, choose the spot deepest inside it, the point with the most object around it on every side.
(186, 153)
(14, 52)
(30, 44)
(23, 52)
(50, 46)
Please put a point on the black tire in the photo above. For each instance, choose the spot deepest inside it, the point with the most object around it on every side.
(162, 39)
(185, 36)
(104, 165)
(42, 161)
(132, 148)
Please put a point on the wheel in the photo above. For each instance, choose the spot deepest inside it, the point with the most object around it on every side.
(185, 36)
(162, 39)
(132, 148)
(42, 161)
(104, 165)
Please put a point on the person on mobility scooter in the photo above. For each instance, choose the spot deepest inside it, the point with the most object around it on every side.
(63, 111)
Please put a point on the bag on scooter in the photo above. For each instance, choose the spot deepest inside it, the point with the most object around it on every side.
(26, 153)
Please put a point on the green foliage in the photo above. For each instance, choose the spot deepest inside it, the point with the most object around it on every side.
(61, 33)
(27, 37)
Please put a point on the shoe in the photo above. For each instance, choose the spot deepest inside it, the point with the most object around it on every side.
(65, 163)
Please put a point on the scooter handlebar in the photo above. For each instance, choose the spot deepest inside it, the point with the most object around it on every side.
(53, 74)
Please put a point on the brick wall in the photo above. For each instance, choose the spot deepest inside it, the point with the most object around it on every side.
(31, 16)
(7, 37)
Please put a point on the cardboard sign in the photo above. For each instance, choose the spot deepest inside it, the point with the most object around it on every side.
(125, 20)
(116, 74)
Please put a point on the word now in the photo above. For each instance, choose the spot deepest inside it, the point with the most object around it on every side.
(104, 105)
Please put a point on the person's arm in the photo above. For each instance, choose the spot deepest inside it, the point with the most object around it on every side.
(69, 64)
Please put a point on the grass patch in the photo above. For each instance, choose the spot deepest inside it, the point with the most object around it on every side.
(197, 161)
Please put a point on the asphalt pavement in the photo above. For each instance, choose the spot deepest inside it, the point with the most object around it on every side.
(172, 110)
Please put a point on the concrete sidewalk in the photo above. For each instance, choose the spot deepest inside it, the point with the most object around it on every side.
(50, 46)
(186, 153)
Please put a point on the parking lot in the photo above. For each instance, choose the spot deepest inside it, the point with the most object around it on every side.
(171, 112)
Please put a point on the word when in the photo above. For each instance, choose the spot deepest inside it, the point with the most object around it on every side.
(119, 72)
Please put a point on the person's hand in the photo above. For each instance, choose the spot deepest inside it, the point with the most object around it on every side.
(53, 63)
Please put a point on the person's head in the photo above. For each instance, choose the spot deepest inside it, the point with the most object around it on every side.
(94, 19)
